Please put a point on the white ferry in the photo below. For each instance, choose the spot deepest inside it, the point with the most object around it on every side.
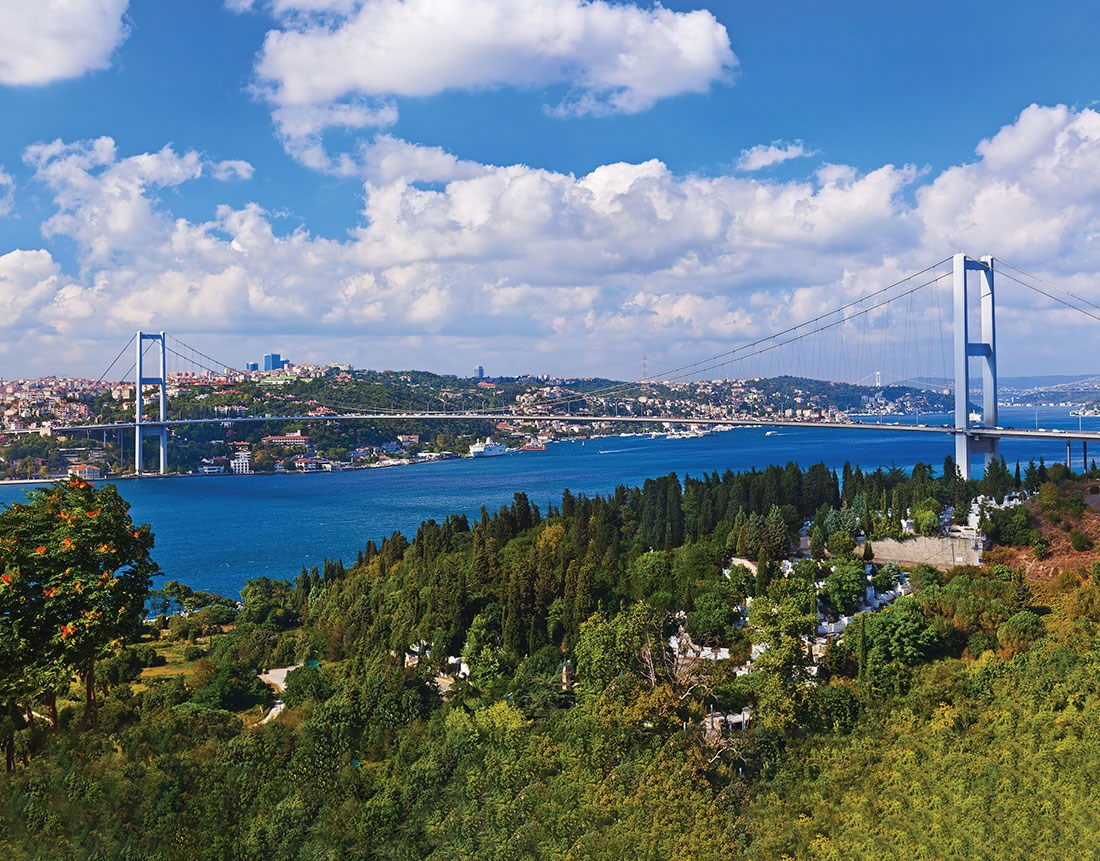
(488, 448)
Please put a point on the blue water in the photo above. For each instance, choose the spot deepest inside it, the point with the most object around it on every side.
(216, 532)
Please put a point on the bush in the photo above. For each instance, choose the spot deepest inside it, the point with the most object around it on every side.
(147, 656)
(1020, 631)
(1040, 547)
(193, 653)
(307, 683)
(886, 577)
(232, 687)
(833, 708)
(982, 642)
(1079, 541)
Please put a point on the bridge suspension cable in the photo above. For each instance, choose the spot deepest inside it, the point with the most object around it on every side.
(1054, 287)
(115, 360)
(217, 368)
(133, 365)
(769, 342)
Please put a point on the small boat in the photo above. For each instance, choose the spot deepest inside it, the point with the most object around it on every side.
(771, 433)
(533, 446)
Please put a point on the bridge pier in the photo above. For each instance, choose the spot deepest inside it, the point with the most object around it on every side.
(984, 348)
(144, 428)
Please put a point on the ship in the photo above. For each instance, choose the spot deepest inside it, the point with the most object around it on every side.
(488, 448)
(533, 445)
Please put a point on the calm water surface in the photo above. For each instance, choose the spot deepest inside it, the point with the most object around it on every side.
(216, 532)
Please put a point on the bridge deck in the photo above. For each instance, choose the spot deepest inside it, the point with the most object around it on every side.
(980, 432)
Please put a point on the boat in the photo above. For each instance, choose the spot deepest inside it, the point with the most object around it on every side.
(488, 448)
(533, 446)
(771, 433)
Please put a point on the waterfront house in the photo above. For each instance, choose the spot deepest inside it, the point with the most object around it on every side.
(86, 471)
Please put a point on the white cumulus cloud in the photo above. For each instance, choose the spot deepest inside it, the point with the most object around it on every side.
(453, 262)
(104, 203)
(7, 192)
(339, 64)
(53, 40)
(766, 155)
(1035, 188)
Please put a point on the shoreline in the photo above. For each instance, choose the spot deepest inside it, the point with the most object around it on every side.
(15, 482)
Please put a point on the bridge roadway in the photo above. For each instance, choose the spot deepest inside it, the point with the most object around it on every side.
(976, 432)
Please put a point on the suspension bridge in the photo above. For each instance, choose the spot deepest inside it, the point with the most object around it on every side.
(966, 332)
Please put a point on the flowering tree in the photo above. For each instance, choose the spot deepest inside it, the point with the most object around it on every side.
(74, 576)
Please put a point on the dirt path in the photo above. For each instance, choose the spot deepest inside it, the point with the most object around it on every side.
(277, 679)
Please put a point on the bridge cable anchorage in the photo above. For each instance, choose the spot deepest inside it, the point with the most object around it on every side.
(711, 362)
(119, 356)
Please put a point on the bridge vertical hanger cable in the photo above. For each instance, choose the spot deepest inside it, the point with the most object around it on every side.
(719, 360)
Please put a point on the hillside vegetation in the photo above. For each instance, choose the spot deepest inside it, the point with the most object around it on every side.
(959, 721)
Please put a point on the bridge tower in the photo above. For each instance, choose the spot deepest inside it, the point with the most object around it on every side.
(144, 427)
(984, 348)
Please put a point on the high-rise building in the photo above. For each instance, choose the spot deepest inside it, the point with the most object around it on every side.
(480, 373)
(273, 362)
(252, 366)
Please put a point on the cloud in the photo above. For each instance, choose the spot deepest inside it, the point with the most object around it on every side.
(1034, 189)
(509, 250)
(388, 159)
(104, 203)
(454, 262)
(231, 169)
(31, 284)
(53, 40)
(300, 128)
(338, 64)
(777, 152)
(7, 192)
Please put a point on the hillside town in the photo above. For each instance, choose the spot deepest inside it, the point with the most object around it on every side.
(301, 401)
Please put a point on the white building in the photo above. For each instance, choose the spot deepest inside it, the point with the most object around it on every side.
(241, 464)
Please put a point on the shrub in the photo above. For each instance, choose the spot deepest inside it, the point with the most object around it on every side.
(1020, 630)
(307, 683)
(1079, 541)
(193, 653)
(982, 642)
(1040, 547)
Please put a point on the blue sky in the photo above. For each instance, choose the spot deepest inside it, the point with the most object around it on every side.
(547, 186)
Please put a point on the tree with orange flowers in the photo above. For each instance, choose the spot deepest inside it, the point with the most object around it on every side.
(74, 576)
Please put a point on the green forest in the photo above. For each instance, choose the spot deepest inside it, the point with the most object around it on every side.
(516, 684)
